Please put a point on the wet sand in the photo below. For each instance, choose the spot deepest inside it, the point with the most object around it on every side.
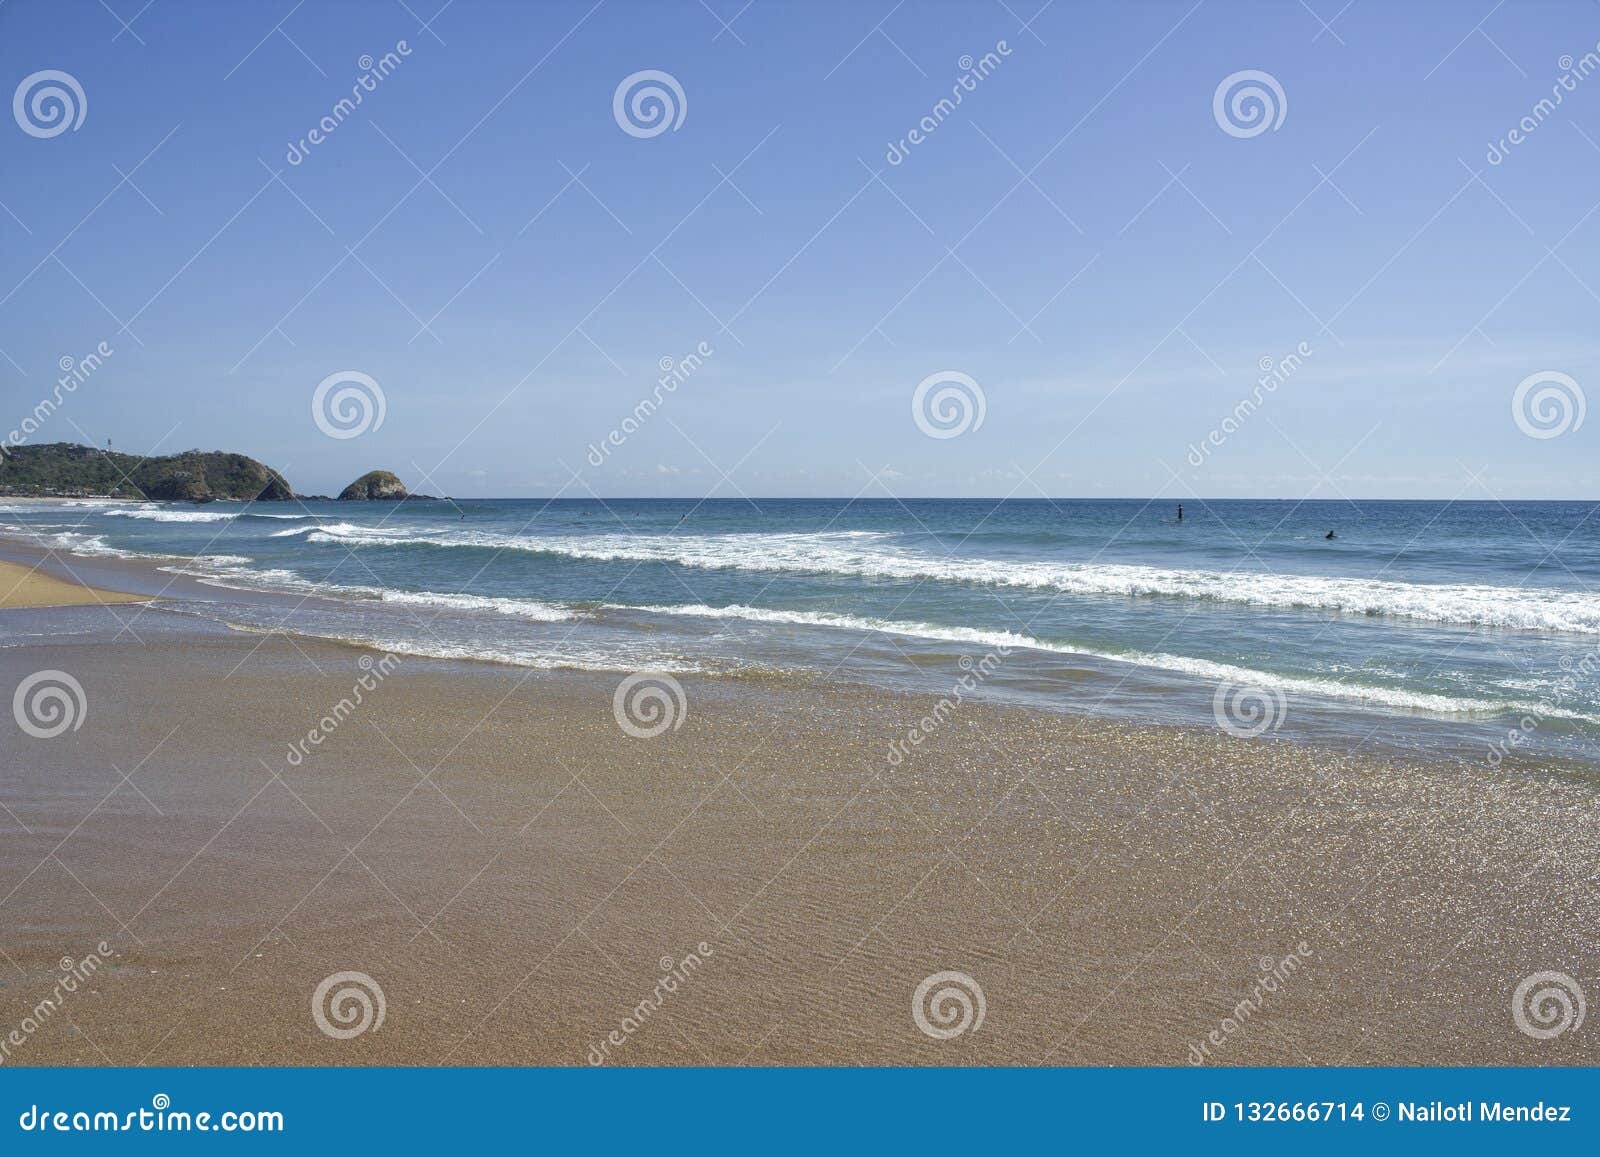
(517, 874)
(28, 586)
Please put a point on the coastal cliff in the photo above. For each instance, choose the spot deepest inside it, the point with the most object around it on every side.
(67, 470)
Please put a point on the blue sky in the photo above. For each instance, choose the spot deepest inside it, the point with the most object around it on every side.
(1079, 236)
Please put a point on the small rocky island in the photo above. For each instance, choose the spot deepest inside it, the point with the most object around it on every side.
(381, 486)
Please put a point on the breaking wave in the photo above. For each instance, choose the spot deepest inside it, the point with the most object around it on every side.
(863, 554)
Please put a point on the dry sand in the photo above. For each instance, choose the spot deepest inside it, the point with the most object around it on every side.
(515, 873)
(24, 586)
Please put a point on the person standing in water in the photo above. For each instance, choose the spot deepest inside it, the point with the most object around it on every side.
(1180, 512)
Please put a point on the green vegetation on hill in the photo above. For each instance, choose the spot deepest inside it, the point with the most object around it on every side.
(378, 485)
(381, 486)
(65, 470)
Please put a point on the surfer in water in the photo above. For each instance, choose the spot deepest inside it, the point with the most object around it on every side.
(1180, 512)
(1330, 535)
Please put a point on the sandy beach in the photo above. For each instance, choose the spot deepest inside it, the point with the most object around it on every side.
(27, 586)
(518, 875)
(956, 575)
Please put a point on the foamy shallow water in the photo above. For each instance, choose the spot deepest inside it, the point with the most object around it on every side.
(1454, 622)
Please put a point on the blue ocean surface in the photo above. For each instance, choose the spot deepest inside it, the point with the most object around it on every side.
(1467, 627)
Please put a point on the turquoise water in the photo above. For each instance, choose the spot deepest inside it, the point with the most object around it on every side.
(1442, 624)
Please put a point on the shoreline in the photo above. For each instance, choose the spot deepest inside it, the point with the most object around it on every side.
(511, 866)
(1393, 730)
(31, 587)
(42, 498)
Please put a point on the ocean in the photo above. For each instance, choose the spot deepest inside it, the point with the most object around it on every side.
(1471, 628)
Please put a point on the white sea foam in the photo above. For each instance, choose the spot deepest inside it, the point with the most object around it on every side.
(1335, 689)
(156, 514)
(86, 545)
(150, 512)
(847, 623)
(533, 609)
(339, 531)
(864, 555)
(570, 658)
(233, 572)
(1396, 697)
(398, 536)
(78, 543)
